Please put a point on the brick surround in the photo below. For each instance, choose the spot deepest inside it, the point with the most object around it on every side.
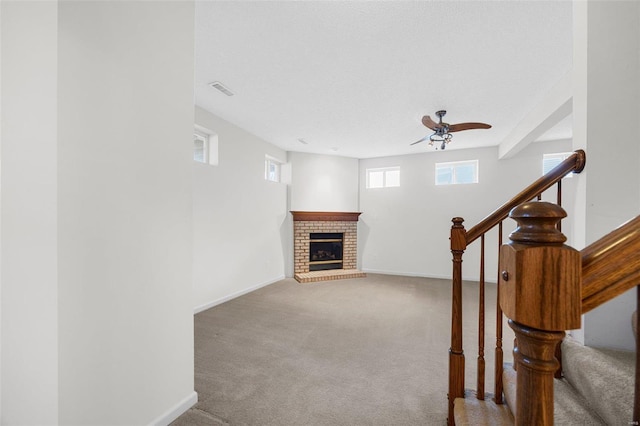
(305, 223)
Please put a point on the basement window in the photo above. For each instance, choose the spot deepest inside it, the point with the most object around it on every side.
(205, 147)
(550, 161)
(272, 169)
(386, 177)
(457, 172)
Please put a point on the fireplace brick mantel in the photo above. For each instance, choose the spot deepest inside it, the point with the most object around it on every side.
(325, 216)
(306, 223)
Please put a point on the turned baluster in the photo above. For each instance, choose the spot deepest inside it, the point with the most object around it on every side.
(540, 294)
(481, 318)
(456, 353)
(498, 386)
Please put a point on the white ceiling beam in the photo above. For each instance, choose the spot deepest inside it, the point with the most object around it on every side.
(557, 105)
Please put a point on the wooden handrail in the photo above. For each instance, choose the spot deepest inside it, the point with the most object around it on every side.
(611, 265)
(575, 163)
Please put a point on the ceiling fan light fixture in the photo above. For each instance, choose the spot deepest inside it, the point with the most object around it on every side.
(441, 138)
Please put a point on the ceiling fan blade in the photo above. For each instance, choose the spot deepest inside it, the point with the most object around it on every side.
(468, 126)
(421, 140)
(428, 122)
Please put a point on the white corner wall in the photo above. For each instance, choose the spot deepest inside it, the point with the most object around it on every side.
(405, 230)
(29, 282)
(240, 232)
(323, 183)
(608, 33)
(125, 114)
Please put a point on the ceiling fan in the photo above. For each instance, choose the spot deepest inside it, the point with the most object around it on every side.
(442, 131)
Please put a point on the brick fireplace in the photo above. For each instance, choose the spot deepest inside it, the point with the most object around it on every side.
(327, 230)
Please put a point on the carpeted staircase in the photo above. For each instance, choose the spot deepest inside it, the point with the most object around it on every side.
(597, 389)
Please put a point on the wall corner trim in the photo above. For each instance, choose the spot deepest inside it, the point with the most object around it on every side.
(177, 410)
(216, 302)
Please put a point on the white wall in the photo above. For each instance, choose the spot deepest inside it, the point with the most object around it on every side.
(323, 183)
(405, 230)
(240, 233)
(125, 110)
(29, 373)
(608, 33)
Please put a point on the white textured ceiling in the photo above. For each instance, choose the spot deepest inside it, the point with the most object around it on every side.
(355, 78)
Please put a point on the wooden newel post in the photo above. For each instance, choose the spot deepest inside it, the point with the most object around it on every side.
(540, 289)
(456, 353)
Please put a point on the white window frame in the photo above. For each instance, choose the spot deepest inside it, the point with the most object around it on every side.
(453, 165)
(210, 145)
(270, 161)
(556, 158)
(385, 180)
(204, 138)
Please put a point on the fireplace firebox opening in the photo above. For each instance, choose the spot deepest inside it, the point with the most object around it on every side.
(325, 251)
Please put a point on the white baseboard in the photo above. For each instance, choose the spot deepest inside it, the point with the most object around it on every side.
(175, 412)
(422, 275)
(209, 305)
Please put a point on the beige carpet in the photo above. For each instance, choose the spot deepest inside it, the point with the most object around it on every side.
(365, 351)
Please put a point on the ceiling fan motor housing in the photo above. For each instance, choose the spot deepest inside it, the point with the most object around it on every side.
(444, 127)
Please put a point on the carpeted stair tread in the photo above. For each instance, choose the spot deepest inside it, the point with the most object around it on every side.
(570, 408)
(603, 377)
(509, 386)
(470, 411)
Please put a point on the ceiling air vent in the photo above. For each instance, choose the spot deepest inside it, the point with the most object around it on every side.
(221, 87)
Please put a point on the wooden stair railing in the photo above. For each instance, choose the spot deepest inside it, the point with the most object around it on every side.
(460, 240)
(610, 267)
(545, 286)
(540, 287)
